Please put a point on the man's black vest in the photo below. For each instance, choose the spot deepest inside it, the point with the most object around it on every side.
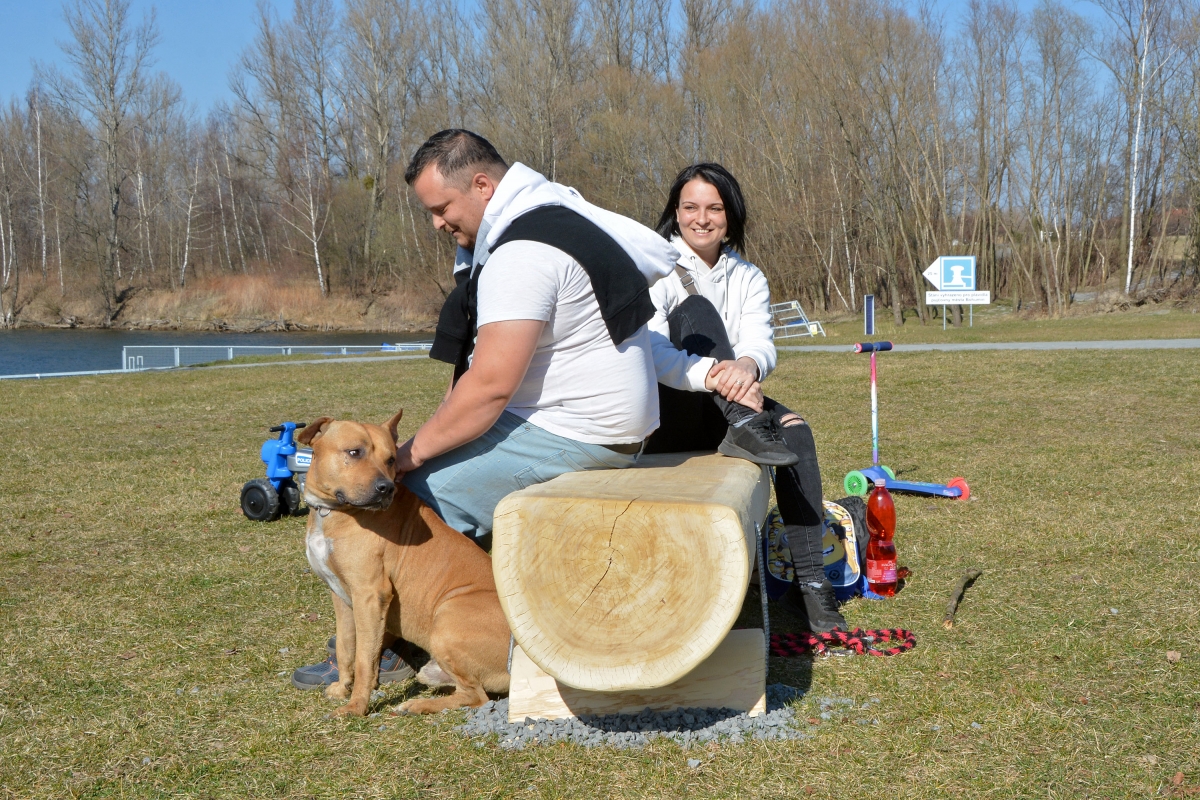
(620, 288)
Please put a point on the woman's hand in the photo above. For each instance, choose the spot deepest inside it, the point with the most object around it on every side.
(736, 381)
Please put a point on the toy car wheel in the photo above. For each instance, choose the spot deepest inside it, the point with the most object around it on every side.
(855, 483)
(289, 497)
(961, 484)
(260, 501)
(891, 476)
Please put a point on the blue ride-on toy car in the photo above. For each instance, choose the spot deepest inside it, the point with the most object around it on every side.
(265, 499)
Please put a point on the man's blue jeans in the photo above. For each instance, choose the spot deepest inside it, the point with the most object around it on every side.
(465, 485)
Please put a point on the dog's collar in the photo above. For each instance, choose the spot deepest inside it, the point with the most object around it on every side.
(324, 510)
(321, 507)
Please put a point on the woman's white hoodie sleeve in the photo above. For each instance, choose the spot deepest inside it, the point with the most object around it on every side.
(674, 367)
(755, 337)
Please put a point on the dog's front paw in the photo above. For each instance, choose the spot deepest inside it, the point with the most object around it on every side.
(338, 691)
(402, 710)
(422, 705)
(351, 709)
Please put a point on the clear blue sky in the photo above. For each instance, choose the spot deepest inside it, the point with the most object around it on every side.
(200, 40)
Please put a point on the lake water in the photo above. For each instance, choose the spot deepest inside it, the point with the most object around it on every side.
(77, 350)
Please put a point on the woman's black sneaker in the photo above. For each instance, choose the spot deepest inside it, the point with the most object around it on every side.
(815, 605)
(755, 439)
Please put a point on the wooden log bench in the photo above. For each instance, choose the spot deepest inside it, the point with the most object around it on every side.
(621, 587)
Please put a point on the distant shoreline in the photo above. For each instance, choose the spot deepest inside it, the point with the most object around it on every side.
(234, 325)
(234, 304)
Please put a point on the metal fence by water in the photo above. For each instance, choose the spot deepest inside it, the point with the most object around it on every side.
(142, 357)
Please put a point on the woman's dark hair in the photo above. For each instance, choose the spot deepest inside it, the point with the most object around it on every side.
(731, 197)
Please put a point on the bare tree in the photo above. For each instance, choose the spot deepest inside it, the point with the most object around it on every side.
(380, 72)
(35, 110)
(10, 275)
(110, 61)
(531, 81)
(1143, 50)
(284, 88)
(632, 35)
(192, 188)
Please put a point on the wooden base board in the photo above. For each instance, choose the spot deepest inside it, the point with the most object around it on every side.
(734, 676)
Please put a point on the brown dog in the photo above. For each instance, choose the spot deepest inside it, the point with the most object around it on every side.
(393, 565)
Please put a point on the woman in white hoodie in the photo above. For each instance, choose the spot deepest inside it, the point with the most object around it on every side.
(712, 343)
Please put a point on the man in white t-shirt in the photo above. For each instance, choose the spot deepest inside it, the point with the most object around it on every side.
(547, 390)
(549, 378)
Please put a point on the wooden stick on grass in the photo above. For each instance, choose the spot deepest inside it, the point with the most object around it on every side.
(956, 596)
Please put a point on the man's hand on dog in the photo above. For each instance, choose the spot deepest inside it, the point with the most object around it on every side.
(406, 460)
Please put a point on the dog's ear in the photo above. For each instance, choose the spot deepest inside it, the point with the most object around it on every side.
(392, 423)
(314, 429)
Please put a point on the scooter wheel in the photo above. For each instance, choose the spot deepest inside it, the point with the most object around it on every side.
(888, 471)
(260, 501)
(855, 483)
(961, 485)
(289, 498)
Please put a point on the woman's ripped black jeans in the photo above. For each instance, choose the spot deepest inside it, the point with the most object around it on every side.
(697, 421)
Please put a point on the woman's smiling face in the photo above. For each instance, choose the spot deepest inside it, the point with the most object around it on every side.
(701, 218)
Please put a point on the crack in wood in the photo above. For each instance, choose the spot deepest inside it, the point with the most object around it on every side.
(611, 531)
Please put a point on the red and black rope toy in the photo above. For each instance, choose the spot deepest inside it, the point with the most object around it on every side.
(858, 640)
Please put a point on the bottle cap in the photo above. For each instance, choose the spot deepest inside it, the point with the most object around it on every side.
(880, 483)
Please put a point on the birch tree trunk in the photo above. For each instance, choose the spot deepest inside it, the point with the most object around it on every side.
(1137, 135)
(41, 181)
(237, 228)
(187, 235)
(10, 274)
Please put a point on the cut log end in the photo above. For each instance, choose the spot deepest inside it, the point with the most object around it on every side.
(626, 579)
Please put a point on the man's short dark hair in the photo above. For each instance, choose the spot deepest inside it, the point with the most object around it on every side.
(454, 150)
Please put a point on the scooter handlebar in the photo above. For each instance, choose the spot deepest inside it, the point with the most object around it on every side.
(872, 347)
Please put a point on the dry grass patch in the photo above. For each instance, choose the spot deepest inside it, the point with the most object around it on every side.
(244, 302)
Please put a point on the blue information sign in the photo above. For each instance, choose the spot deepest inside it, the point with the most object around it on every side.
(958, 274)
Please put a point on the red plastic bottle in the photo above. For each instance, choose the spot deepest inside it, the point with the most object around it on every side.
(881, 551)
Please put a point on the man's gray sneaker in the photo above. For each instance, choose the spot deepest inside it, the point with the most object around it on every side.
(755, 439)
(815, 605)
(317, 676)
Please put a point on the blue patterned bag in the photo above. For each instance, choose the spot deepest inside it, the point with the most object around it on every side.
(845, 549)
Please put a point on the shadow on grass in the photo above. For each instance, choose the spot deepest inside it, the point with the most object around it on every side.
(795, 671)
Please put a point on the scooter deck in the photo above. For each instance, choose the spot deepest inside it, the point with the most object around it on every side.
(918, 487)
(915, 487)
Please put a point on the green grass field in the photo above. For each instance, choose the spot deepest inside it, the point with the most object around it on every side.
(997, 323)
(149, 628)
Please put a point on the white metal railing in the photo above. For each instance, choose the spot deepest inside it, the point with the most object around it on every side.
(139, 357)
(789, 321)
